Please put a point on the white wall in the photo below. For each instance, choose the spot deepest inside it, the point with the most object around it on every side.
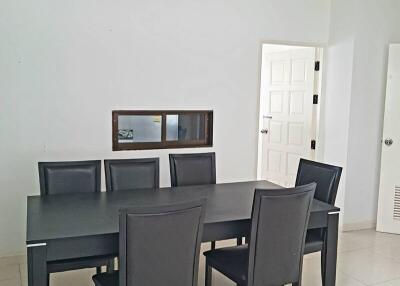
(64, 65)
(360, 31)
(336, 93)
(376, 27)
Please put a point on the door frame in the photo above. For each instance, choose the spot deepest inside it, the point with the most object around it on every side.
(317, 110)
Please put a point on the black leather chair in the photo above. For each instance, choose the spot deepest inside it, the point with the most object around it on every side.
(130, 174)
(71, 177)
(327, 178)
(192, 169)
(158, 246)
(274, 254)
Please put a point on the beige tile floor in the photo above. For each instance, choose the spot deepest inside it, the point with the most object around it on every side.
(365, 258)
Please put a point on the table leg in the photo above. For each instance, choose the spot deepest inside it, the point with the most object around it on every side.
(37, 264)
(329, 277)
(208, 277)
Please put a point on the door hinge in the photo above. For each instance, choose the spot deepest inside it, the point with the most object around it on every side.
(313, 143)
(316, 66)
(315, 99)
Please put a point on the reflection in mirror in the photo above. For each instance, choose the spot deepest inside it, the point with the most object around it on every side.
(139, 128)
(186, 127)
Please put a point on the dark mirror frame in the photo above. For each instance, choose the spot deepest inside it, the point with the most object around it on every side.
(164, 144)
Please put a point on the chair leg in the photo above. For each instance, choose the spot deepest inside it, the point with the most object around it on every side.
(212, 245)
(110, 266)
(323, 263)
(208, 279)
(98, 270)
(239, 241)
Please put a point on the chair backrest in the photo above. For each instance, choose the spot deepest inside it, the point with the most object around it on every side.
(130, 174)
(160, 245)
(69, 177)
(278, 231)
(192, 169)
(326, 176)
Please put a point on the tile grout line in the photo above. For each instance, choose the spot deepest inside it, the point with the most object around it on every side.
(355, 279)
(384, 282)
(20, 274)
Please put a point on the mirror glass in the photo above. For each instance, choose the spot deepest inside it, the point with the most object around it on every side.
(186, 127)
(139, 128)
(160, 129)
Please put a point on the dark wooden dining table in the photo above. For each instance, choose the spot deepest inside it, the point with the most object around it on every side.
(81, 225)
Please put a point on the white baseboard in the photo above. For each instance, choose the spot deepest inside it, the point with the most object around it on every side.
(359, 226)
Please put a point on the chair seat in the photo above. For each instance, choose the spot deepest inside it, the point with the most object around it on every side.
(313, 243)
(80, 263)
(106, 279)
(230, 261)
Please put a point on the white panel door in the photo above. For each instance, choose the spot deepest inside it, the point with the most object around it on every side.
(389, 191)
(287, 108)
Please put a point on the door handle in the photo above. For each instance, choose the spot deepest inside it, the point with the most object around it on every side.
(388, 141)
(264, 131)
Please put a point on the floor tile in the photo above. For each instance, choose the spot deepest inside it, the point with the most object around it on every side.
(389, 283)
(76, 277)
(315, 255)
(9, 272)
(23, 270)
(220, 280)
(8, 260)
(388, 250)
(312, 275)
(368, 267)
(356, 240)
(11, 282)
(345, 280)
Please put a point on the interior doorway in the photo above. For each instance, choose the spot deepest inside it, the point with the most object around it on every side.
(289, 110)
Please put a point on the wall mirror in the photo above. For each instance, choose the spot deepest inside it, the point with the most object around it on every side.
(159, 129)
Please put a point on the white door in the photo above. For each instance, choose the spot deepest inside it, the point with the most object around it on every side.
(388, 219)
(287, 111)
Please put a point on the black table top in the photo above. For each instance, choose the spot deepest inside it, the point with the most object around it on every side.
(85, 214)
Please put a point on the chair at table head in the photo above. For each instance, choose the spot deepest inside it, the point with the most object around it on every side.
(326, 176)
(192, 169)
(160, 245)
(69, 177)
(278, 231)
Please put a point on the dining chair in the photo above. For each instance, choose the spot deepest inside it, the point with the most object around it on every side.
(71, 177)
(158, 246)
(131, 174)
(327, 178)
(192, 169)
(274, 253)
